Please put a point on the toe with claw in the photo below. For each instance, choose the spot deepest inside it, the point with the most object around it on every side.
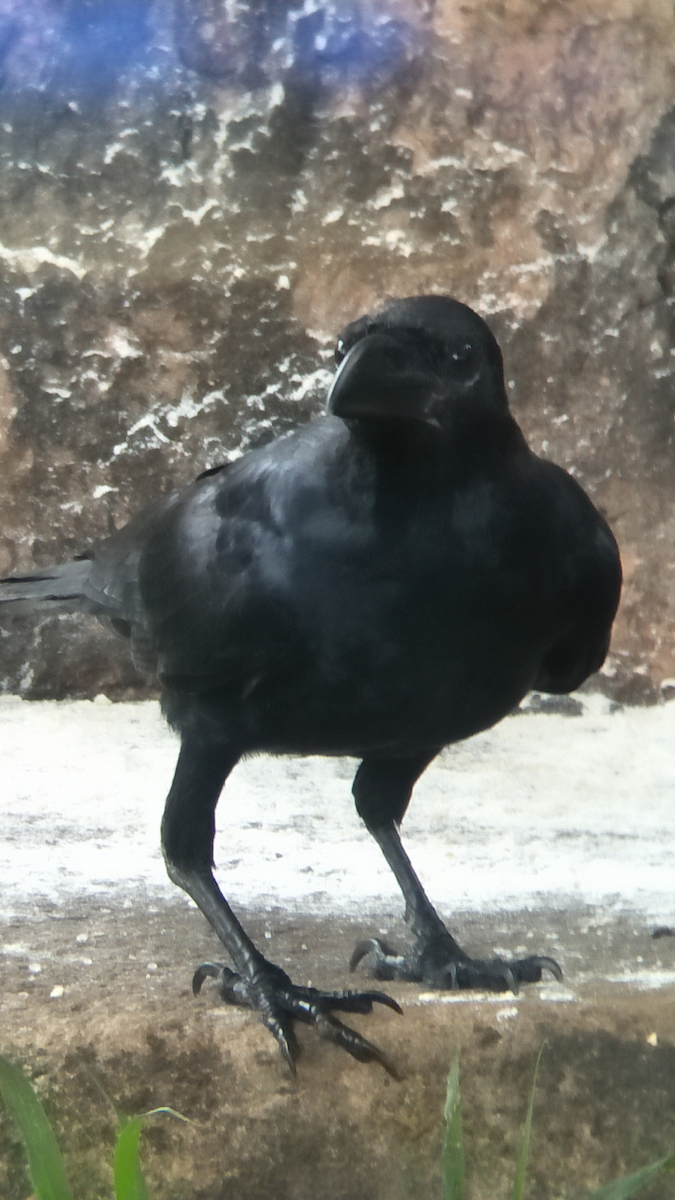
(280, 1002)
(440, 963)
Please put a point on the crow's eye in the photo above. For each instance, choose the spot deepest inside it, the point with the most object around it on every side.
(353, 334)
(462, 354)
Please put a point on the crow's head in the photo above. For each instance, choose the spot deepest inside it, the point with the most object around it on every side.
(425, 359)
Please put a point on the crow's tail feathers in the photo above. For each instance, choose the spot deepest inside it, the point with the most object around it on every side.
(59, 589)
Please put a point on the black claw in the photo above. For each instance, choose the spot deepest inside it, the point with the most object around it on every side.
(287, 1057)
(230, 985)
(285, 1038)
(544, 963)
(362, 1002)
(383, 998)
(387, 964)
(370, 946)
(360, 1048)
(510, 978)
(206, 971)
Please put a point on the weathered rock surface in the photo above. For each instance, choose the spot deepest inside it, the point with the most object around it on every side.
(195, 195)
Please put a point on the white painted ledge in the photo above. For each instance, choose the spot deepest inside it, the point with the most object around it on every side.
(542, 811)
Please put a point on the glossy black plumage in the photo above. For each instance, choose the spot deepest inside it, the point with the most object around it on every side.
(389, 579)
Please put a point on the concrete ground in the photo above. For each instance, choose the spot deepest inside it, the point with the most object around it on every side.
(551, 833)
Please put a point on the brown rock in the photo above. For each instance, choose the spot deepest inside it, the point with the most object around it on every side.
(194, 198)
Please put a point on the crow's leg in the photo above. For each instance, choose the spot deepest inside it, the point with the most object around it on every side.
(382, 790)
(188, 829)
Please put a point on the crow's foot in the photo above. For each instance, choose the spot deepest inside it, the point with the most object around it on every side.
(281, 1002)
(440, 963)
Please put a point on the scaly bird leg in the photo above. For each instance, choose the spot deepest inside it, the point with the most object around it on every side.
(188, 829)
(381, 788)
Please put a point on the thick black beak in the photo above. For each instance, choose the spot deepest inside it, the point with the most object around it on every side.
(377, 380)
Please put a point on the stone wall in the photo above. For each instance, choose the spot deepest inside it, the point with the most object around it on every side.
(196, 194)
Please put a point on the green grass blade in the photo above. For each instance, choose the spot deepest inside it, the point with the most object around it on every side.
(524, 1143)
(155, 1112)
(129, 1181)
(45, 1164)
(127, 1173)
(453, 1155)
(622, 1189)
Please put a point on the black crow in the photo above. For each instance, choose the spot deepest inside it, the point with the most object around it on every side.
(391, 578)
